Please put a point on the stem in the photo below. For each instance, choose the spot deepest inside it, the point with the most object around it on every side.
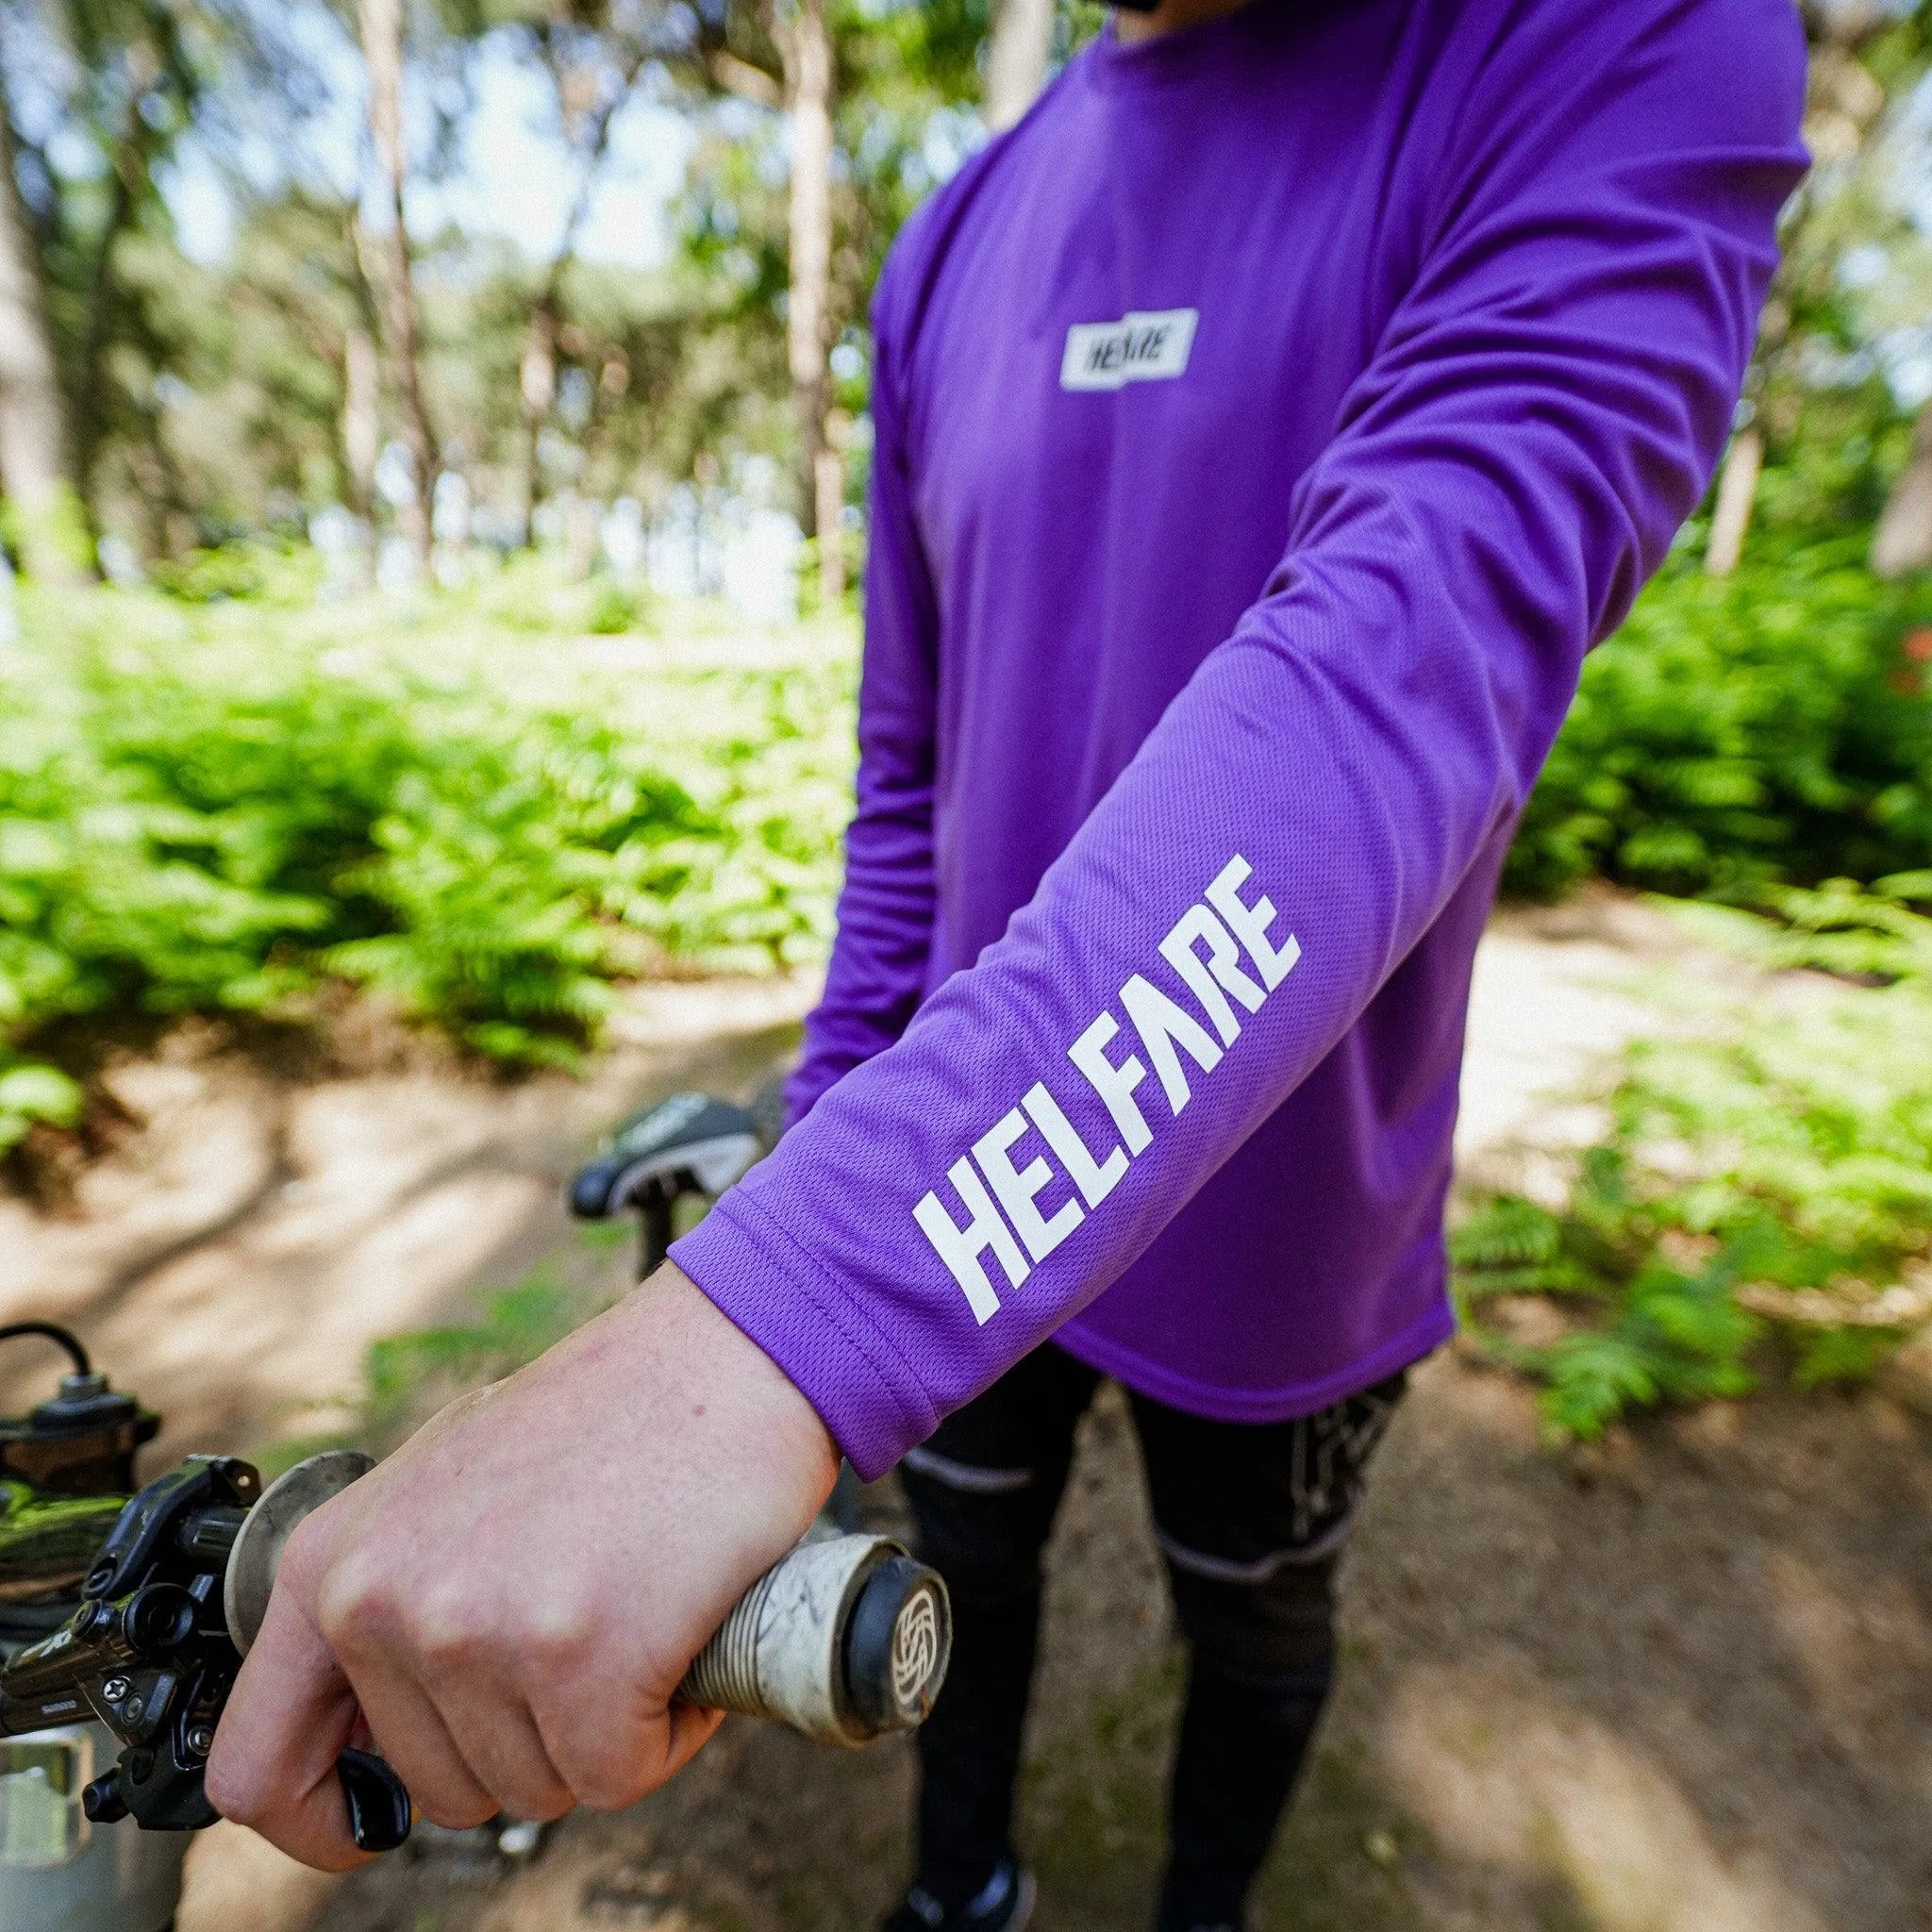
(35, 451)
(1016, 58)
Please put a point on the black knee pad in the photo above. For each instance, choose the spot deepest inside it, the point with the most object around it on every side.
(986, 1546)
(1277, 1630)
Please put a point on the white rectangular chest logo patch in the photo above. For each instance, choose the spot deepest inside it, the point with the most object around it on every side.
(1146, 346)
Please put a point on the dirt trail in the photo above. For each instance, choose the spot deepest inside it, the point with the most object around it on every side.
(1677, 1684)
(234, 1259)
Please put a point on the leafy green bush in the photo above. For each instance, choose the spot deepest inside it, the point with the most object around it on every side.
(1769, 1170)
(1772, 725)
(219, 806)
(214, 576)
(614, 609)
(30, 1093)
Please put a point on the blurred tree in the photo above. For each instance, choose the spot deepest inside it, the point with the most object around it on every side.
(593, 53)
(361, 420)
(379, 23)
(110, 84)
(195, 400)
(877, 104)
(101, 98)
(1816, 339)
(779, 54)
(1017, 51)
(255, 367)
(804, 37)
(36, 461)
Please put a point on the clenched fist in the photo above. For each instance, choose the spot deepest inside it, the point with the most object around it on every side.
(506, 1605)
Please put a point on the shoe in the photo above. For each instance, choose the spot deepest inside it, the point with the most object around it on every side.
(1004, 1904)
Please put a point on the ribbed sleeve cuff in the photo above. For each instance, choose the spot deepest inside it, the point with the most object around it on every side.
(863, 1388)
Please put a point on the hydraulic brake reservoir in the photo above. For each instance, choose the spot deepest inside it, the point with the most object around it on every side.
(66, 1469)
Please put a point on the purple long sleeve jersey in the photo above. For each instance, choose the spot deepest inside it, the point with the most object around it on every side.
(1265, 428)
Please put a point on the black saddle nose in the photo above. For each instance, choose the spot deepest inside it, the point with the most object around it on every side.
(691, 1144)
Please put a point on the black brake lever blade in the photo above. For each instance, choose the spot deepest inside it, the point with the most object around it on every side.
(378, 1799)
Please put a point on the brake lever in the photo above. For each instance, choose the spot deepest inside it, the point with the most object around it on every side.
(380, 1814)
(149, 1654)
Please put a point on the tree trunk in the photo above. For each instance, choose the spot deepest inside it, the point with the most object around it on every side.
(35, 451)
(381, 23)
(537, 372)
(537, 384)
(361, 420)
(1736, 490)
(828, 479)
(1903, 541)
(361, 435)
(806, 46)
(1016, 57)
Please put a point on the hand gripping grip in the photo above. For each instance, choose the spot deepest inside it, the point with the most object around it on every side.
(844, 1639)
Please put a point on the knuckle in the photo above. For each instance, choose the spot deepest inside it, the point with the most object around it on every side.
(452, 1633)
(609, 1785)
(602, 1767)
(456, 1808)
(355, 1610)
(560, 1638)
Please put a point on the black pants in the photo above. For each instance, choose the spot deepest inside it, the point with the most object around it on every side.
(1250, 1518)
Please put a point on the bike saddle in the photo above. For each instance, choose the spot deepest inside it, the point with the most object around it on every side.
(691, 1144)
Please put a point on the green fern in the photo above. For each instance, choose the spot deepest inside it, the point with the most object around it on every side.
(220, 803)
(1793, 1155)
(1755, 729)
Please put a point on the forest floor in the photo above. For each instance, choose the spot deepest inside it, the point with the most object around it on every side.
(1678, 1682)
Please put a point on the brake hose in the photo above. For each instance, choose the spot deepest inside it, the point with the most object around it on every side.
(50, 1331)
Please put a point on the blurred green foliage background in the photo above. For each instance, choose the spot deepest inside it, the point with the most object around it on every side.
(221, 807)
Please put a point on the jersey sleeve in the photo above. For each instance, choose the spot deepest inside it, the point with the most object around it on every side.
(878, 964)
(1545, 405)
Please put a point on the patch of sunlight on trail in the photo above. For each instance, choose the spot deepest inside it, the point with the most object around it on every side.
(1516, 1779)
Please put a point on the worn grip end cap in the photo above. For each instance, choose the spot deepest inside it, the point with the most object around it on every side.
(898, 1642)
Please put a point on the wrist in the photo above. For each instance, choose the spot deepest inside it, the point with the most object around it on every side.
(731, 1384)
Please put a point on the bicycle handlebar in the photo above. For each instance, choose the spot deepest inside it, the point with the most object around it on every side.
(844, 1639)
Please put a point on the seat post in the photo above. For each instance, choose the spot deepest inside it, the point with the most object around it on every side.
(654, 1229)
